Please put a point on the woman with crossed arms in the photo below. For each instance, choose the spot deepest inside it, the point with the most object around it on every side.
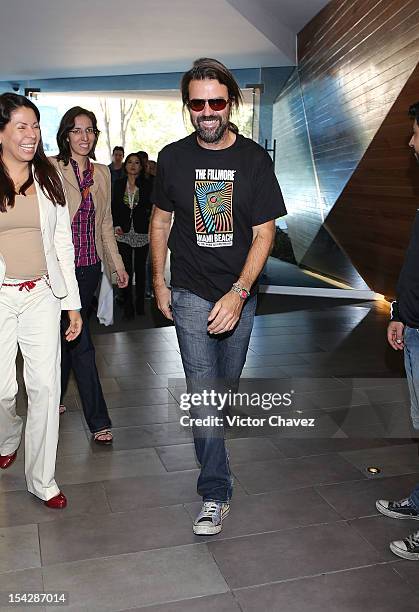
(37, 281)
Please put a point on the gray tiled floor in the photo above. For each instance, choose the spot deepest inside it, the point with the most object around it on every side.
(303, 532)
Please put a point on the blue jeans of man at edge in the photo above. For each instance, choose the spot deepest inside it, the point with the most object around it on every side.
(209, 361)
(411, 364)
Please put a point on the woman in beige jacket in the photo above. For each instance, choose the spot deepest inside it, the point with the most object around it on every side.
(37, 281)
(88, 191)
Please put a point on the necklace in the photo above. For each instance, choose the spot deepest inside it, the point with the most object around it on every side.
(131, 196)
(19, 184)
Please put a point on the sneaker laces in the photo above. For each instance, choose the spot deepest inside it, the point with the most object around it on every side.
(412, 540)
(210, 507)
(209, 510)
(403, 503)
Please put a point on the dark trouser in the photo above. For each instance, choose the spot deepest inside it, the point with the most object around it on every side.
(210, 362)
(140, 258)
(79, 356)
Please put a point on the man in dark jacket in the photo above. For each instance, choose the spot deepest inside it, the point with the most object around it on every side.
(403, 333)
(116, 168)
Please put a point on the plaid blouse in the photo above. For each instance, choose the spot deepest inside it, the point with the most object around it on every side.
(83, 225)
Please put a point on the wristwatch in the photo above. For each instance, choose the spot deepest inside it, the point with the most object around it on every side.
(243, 293)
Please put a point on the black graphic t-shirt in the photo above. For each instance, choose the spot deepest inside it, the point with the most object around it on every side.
(217, 196)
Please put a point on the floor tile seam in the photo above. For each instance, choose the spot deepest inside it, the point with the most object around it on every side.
(330, 504)
(21, 569)
(142, 425)
(113, 513)
(96, 455)
(120, 555)
(413, 586)
(226, 538)
(162, 507)
(291, 459)
(174, 601)
(363, 537)
(147, 406)
(153, 476)
(41, 556)
(308, 576)
(299, 487)
(319, 453)
(207, 541)
(107, 500)
(231, 463)
(219, 568)
(128, 342)
(80, 515)
(160, 459)
(410, 471)
(86, 482)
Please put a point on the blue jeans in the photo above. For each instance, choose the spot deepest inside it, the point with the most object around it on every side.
(210, 362)
(411, 364)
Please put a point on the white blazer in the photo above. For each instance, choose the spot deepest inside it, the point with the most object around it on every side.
(59, 251)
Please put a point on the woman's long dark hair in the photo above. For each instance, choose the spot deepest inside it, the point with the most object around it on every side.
(43, 171)
(128, 157)
(67, 123)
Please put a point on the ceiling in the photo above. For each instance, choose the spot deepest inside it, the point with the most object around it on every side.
(56, 38)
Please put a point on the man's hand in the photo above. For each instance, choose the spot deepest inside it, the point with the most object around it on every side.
(76, 323)
(395, 335)
(225, 314)
(163, 298)
(122, 278)
(119, 231)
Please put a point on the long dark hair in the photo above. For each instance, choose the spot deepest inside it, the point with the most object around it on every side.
(128, 157)
(43, 171)
(66, 124)
(208, 68)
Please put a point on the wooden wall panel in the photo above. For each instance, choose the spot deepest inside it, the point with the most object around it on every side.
(373, 217)
(354, 59)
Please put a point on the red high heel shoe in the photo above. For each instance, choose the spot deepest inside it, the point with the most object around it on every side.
(7, 460)
(58, 502)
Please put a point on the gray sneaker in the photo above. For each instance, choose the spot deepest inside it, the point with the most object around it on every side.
(210, 520)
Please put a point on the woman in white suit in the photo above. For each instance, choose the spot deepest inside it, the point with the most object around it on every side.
(37, 281)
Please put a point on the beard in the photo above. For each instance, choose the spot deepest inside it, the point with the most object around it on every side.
(210, 136)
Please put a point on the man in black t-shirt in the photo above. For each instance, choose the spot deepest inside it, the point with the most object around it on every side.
(222, 193)
(403, 333)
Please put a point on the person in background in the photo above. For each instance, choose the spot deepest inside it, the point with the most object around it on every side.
(147, 176)
(88, 190)
(145, 173)
(37, 281)
(116, 167)
(152, 168)
(131, 215)
(403, 333)
(143, 155)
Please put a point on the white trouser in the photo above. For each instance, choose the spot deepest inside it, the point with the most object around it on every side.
(31, 319)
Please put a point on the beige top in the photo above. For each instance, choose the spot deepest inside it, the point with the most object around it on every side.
(21, 240)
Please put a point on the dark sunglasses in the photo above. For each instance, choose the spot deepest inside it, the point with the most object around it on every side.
(215, 104)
